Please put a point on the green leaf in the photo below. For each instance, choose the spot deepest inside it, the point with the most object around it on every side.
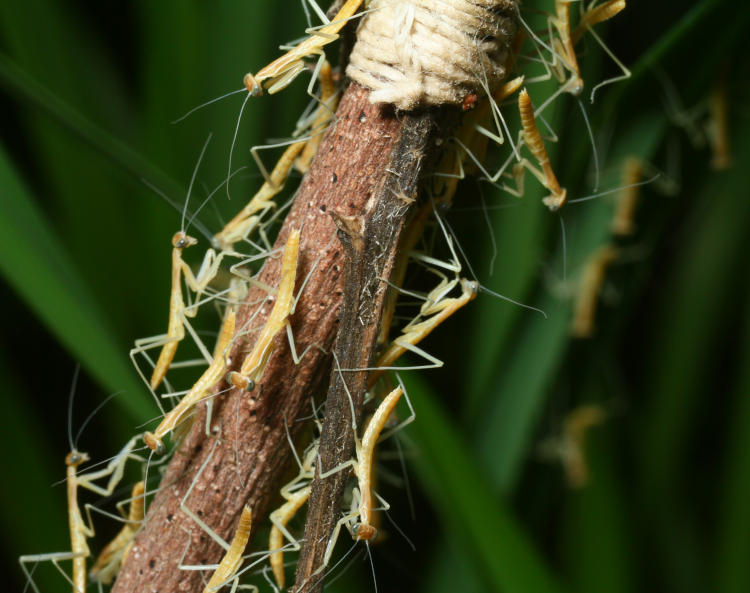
(36, 265)
(33, 93)
(733, 535)
(32, 467)
(687, 333)
(466, 506)
(502, 431)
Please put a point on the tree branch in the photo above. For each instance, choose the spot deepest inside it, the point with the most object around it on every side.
(248, 461)
(371, 240)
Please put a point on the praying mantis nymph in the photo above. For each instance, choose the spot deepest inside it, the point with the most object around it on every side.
(592, 279)
(563, 62)
(563, 46)
(324, 113)
(175, 329)
(623, 223)
(594, 15)
(363, 530)
(228, 568)
(359, 520)
(296, 492)
(79, 531)
(247, 219)
(178, 313)
(114, 554)
(718, 127)
(569, 447)
(296, 496)
(255, 363)
(533, 139)
(208, 379)
(283, 70)
(280, 517)
(297, 154)
(418, 329)
(564, 43)
(232, 559)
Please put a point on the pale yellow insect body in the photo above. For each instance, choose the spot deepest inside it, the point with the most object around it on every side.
(254, 364)
(296, 496)
(323, 115)
(359, 521)
(207, 380)
(414, 333)
(175, 328)
(280, 517)
(247, 219)
(594, 273)
(533, 139)
(232, 559)
(595, 15)
(563, 45)
(283, 70)
(79, 531)
(623, 222)
(114, 554)
(363, 530)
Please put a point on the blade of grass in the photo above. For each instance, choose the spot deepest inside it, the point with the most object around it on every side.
(684, 26)
(50, 41)
(733, 536)
(36, 265)
(502, 433)
(685, 341)
(453, 568)
(466, 506)
(100, 198)
(31, 92)
(32, 463)
(73, 51)
(595, 535)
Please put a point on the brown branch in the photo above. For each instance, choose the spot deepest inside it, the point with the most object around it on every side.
(365, 177)
(371, 241)
(248, 460)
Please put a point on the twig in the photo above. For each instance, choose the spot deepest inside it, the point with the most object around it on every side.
(250, 459)
(371, 239)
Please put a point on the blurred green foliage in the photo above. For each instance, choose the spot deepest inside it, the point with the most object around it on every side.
(89, 94)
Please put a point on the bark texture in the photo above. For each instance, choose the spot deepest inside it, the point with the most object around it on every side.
(245, 464)
(371, 241)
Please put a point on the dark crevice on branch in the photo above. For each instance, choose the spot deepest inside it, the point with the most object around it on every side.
(249, 461)
(370, 239)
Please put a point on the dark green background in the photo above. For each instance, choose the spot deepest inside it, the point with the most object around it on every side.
(89, 92)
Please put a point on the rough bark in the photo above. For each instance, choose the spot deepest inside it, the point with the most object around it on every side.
(249, 457)
(371, 240)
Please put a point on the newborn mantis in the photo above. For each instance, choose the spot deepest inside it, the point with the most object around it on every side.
(228, 568)
(178, 312)
(114, 554)
(232, 559)
(362, 506)
(208, 379)
(283, 70)
(295, 498)
(80, 530)
(255, 363)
